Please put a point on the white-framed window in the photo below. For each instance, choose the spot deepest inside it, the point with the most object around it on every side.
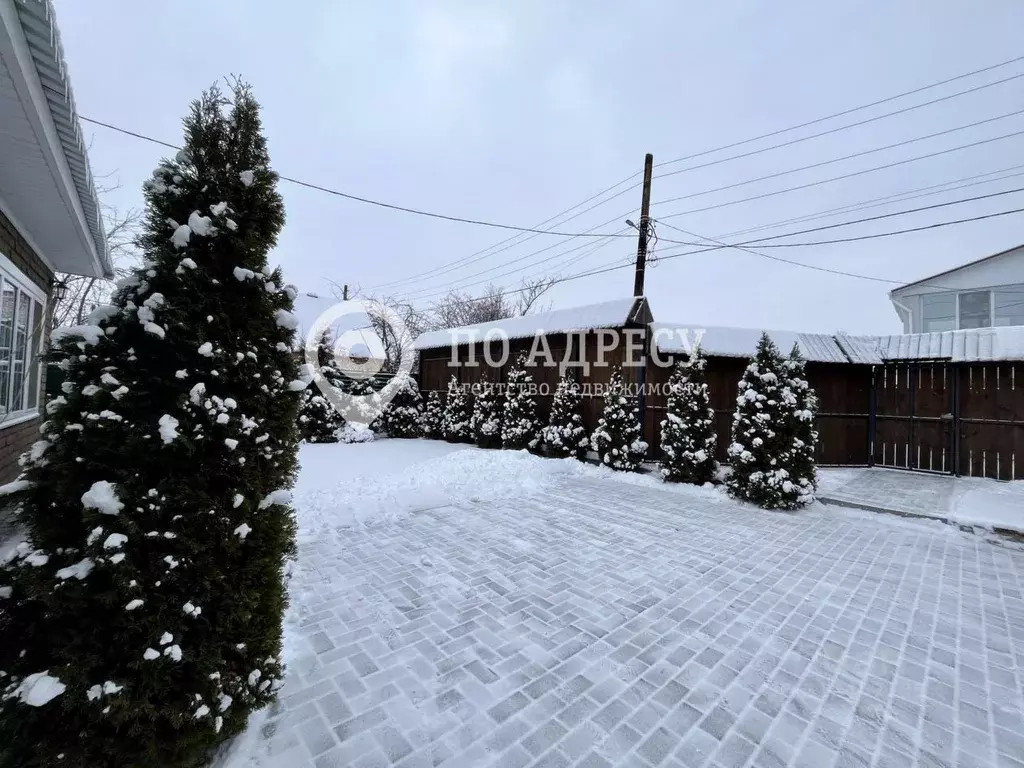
(22, 319)
(982, 308)
(938, 312)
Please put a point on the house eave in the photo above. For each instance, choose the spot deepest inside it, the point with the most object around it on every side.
(33, 58)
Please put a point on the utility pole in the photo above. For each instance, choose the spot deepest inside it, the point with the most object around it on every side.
(344, 293)
(645, 209)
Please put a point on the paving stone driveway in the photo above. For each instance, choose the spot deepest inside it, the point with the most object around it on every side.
(603, 624)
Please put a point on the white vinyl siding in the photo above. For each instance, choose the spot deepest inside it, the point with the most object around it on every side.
(22, 317)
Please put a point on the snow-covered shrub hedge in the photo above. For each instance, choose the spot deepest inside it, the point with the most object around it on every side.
(403, 413)
(355, 433)
(319, 420)
(519, 426)
(485, 424)
(771, 466)
(617, 437)
(688, 429)
(433, 416)
(564, 434)
(457, 413)
(141, 620)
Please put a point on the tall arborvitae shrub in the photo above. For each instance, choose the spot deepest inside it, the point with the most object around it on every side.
(485, 424)
(457, 413)
(617, 438)
(319, 420)
(688, 429)
(142, 616)
(564, 434)
(765, 469)
(403, 413)
(801, 464)
(519, 426)
(433, 416)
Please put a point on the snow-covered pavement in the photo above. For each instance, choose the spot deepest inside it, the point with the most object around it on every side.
(465, 608)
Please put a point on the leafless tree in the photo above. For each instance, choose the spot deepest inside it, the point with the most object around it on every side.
(83, 294)
(459, 308)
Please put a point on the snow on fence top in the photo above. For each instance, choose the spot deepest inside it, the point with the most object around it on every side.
(608, 314)
(967, 346)
(722, 341)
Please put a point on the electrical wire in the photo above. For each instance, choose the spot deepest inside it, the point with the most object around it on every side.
(898, 197)
(830, 131)
(833, 160)
(844, 112)
(472, 258)
(844, 176)
(378, 203)
(759, 241)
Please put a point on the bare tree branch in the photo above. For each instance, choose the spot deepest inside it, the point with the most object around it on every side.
(83, 294)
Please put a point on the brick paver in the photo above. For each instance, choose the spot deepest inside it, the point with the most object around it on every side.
(602, 624)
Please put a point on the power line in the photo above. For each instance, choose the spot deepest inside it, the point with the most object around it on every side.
(451, 266)
(720, 245)
(850, 175)
(863, 153)
(909, 194)
(830, 131)
(897, 232)
(378, 203)
(733, 202)
(845, 112)
(759, 241)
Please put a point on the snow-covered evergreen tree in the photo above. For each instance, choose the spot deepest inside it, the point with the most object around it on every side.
(519, 428)
(765, 469)
(485, 424)
(617, 438)
(319, 421)
(403, 414)
(564, 434)
(457, 413)
(688, 429)
(801, 463)
(142, 615)
(433, 416)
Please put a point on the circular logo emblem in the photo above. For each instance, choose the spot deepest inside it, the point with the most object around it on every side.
(355, 399)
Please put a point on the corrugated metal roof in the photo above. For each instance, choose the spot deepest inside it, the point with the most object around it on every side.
(38, 20)
(971, 345)
(860, 349)
(723, 341)
(608, 314)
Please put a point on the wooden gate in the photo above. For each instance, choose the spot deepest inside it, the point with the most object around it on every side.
(913, 415)
(990, 415)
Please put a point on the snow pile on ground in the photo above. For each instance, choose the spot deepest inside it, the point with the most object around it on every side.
(341, 486)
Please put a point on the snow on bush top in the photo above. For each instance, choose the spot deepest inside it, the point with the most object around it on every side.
(609, 314)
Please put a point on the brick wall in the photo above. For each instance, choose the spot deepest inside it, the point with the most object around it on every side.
(14, 247)
(16, 440)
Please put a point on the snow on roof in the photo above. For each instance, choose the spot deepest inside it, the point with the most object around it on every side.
(608, 314)
(966, 346)
(723, 341)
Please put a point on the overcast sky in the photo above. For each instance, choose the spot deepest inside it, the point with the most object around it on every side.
(515, 111)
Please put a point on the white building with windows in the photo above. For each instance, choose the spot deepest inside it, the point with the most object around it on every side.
(49, 213)
(985, 293)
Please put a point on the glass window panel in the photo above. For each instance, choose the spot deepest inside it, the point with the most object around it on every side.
(975, 309)
(21, 332)
(7, 299)
(34, 360)
(1009, 305)
(938, 312)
